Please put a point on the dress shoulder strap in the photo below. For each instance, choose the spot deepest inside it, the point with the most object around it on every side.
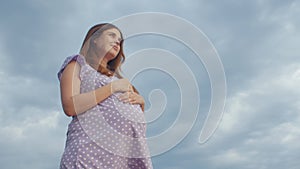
(78, 58)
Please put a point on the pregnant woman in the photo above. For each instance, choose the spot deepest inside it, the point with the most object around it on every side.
(108, 127)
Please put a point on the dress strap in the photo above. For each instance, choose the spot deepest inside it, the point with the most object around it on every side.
(78, 58)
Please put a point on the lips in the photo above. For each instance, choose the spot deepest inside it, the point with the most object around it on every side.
(116, 48)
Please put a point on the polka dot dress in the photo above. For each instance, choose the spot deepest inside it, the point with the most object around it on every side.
(111, 135)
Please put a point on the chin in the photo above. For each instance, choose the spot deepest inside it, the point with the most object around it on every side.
(112, 55)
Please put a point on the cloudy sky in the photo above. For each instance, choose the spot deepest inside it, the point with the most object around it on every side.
(257, 42)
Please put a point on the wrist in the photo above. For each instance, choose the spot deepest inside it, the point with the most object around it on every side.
(112, 88)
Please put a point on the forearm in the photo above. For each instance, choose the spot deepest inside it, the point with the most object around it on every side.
(85, 101)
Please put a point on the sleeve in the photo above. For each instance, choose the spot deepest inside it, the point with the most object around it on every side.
(68, 60)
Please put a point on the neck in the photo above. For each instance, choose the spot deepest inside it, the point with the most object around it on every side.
(96, 60)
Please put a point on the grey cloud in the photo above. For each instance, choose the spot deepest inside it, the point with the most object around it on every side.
(260, 127)
(256, 41)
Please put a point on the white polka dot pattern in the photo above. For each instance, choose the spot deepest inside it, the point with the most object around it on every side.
(111, 135)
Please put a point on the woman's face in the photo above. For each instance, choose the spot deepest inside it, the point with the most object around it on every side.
(108, 43)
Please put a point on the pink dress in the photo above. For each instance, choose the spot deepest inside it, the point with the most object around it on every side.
(111, 135)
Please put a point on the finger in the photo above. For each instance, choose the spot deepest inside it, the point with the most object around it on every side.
(127, 97)
(124, 95)
(135, 102)
(122, 98)
(125, 100)
(132, 101)
(135, 99)
(131, 88)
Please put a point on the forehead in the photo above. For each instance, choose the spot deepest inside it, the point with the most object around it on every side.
(113, 30)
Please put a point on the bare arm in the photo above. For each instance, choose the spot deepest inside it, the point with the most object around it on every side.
(73, 102)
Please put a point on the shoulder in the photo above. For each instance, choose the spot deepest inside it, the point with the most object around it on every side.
(72, 69)
(71, 63)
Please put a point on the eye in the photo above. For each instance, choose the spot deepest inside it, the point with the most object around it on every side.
(112, 34)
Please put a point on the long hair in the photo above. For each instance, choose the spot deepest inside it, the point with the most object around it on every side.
(113, 65)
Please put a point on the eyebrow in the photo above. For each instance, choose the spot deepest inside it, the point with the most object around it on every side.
(120, 39)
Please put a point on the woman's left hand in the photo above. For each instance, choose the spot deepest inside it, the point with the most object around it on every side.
(132, 98)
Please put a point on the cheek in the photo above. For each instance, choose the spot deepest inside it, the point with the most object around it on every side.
(100, 45)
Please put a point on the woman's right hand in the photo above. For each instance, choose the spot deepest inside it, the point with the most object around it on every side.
(121, 85)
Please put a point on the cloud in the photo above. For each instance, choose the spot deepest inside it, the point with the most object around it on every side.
(28, 142)
(257, 42)
(261, 125)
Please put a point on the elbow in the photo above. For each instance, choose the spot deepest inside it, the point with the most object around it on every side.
(68, 106)
(69, 114)
(69, 110)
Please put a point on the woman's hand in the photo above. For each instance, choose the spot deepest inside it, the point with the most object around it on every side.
(121, 85)
(129, 95)
(132, 98)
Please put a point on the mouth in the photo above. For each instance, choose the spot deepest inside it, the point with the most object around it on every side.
(116, 48)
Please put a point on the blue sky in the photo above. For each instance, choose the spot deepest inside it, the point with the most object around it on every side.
(258, 44)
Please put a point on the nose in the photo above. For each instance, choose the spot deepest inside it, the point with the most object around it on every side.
(118, 41)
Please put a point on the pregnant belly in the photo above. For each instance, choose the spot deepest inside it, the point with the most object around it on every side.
(130, 111)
